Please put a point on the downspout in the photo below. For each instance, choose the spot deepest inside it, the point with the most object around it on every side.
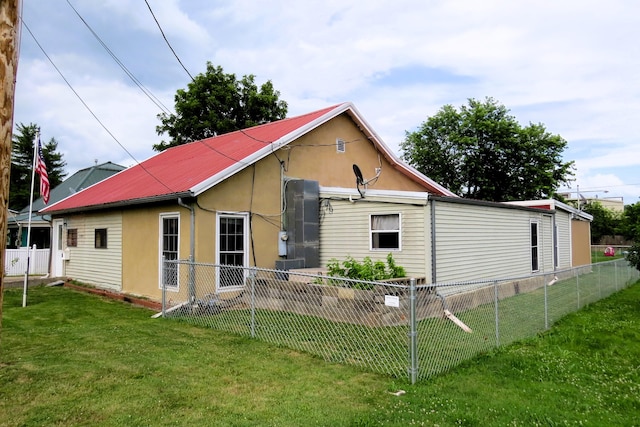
(433, 242)
(192, 249)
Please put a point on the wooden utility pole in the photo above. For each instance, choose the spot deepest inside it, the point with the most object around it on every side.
(9, 30)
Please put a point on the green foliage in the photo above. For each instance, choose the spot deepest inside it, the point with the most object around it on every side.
(482, 152)
(22, 165)
(630, 224)
(633, 256)
(368, 269)
(216, 103)
(605, 221)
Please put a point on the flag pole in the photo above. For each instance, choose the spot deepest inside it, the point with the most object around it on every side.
(33, 177)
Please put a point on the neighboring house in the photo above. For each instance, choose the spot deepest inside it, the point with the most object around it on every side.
(222, 200)
(287, 195)
(41, 226)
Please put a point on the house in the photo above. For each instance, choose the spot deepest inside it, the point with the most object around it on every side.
(41, 226)
(578, 230)
(291, 195)
(447, 239)
(222, 200)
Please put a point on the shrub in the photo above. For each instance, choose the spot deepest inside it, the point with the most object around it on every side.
(633, 256)
(368, 269)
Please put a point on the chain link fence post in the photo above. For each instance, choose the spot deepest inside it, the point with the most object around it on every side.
(413, 332)
(164, 289)
(546, 303)
(497, 315)
(252, 283)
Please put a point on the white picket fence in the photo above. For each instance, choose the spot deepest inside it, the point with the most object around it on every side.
(15, 261)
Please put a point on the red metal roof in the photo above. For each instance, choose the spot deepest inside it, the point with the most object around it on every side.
(191, 168)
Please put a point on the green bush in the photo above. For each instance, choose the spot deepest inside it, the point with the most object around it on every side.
(633, 256)
(368, 269)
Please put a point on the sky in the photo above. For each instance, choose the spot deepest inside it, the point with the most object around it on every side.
(572, 65)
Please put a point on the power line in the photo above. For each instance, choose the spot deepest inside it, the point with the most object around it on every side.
(167, 41)
(91, 111)
(133, 78)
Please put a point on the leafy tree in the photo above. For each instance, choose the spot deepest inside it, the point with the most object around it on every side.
(22, 165)
(482, 152)
(630, 223)
(605, 221)
(630, 229)
(217, 103)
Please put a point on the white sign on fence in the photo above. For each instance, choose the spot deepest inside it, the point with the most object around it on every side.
(392, 301)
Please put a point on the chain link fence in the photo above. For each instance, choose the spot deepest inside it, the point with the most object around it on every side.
(402, 328)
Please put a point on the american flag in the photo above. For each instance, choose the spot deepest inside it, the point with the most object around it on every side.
(41, 169)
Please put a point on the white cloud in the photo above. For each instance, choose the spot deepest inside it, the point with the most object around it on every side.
(572, 65)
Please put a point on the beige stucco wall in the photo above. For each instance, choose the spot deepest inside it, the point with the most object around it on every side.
(256, 189)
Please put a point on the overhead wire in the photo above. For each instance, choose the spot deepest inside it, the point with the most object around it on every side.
(167, 41)
(133, 78)
(90, 110)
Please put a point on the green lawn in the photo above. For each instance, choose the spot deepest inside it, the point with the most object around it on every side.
(76, 359)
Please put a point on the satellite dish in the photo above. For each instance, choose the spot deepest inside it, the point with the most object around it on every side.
(360, 181)
(358, 172)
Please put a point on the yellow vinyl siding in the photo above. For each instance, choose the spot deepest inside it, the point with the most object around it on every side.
(475, 242)
(344, 231)
(102, 267)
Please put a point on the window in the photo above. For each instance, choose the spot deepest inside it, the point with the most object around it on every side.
(72, 237)
(101, 238)
(534, 246)
(169, 245)
(385, 232)
(340, 145)
(232, 249)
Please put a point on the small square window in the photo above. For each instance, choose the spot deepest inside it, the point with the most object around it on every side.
(340, 145)
(101, 238)
(72, 237)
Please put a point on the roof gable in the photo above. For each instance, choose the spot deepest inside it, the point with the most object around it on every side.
(190, 169)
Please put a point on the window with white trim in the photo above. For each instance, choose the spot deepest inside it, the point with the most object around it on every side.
(232, 249)
(384, 232)
(169, 249)
(340, 145)
(535, 239)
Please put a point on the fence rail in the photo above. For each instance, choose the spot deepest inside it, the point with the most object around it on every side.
(15, 261)
(402, 329)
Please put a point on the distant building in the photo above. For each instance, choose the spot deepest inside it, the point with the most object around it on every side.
(615, 204)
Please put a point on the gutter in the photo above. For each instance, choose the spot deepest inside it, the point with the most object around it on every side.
(192, 248)
(123, 203)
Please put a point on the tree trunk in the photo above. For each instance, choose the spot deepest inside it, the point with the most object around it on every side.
(9, 29)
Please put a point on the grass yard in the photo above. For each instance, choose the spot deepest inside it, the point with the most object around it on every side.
(76, 359)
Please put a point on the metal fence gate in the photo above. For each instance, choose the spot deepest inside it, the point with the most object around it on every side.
(402, 328)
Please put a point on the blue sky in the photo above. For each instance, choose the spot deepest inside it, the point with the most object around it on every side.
(572, 65)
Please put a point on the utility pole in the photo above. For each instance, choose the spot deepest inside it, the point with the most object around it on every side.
(9, 30)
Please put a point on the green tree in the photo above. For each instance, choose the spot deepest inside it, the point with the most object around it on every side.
(605, 222)
(630, 229)
(22, 164)
(216, 103)
(482, 152)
